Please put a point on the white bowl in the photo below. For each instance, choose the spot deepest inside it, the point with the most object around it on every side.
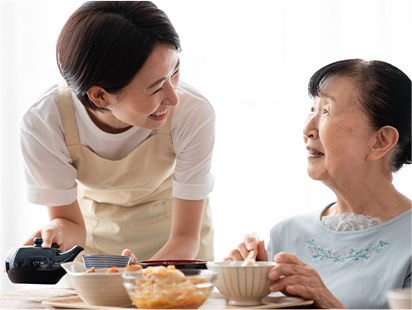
(242, 285)
(98, 288)
(400, 298)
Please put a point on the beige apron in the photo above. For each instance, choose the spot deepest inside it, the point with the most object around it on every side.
(127, 203)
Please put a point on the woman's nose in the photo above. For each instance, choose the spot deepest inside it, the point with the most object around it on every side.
(171, 98)
(310, 129)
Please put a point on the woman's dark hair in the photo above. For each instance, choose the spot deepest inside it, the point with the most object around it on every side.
(106, 43)
(384, 96)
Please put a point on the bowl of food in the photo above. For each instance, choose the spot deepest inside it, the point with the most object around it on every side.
(99, 287)
(242, 285)
(400, 298)
(179, 264)
(163, 287)
(105, 261)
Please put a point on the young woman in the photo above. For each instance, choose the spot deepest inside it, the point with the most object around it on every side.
(120, 152)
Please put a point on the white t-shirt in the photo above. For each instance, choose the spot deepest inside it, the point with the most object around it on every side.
(51, 178)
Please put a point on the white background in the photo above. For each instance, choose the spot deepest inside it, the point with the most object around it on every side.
(252, 60)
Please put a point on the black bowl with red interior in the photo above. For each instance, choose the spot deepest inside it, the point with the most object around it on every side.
(179, 264)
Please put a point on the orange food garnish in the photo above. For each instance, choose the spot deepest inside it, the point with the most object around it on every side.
(171, 267)
(92, 270)
(112, 270)
(132, 268)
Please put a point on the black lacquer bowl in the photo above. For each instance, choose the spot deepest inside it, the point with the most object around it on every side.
(179, 264)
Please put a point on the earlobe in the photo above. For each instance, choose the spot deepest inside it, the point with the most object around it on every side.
(98, 96)
(384, 141)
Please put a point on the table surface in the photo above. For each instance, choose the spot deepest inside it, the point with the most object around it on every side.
(32, 299)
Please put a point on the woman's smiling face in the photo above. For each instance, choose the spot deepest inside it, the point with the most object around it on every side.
(145, 102)
(336, 133)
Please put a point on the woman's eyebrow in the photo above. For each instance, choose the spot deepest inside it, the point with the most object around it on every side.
(163, 78)
(178, 63)
(327, 96)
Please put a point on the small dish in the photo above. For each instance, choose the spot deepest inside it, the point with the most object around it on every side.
(105, 261)
(179, 264)
(400, 298)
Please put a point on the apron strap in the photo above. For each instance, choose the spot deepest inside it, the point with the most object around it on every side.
(64, 98)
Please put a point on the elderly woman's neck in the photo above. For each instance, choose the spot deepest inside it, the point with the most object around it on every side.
(381, 200)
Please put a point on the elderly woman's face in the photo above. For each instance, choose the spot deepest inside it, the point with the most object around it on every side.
(336, 133)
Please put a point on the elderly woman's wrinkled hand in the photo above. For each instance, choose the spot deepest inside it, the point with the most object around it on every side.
(293, 277)
(250, 242)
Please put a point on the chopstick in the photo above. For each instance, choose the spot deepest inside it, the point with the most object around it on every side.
(251, 258)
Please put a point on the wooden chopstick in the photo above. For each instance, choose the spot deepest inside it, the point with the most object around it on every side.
(251, 258)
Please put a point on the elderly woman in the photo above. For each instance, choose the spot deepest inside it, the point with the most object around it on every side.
(358, 133)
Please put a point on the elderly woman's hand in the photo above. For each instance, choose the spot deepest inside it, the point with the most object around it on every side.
(293, 277)
(250, 242)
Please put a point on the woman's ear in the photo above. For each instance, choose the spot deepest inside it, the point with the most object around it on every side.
(98, 96)
(384, 140)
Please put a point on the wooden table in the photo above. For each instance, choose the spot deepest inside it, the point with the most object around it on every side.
(32, 299)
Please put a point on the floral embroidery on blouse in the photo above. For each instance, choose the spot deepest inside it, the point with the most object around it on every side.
(322, 254)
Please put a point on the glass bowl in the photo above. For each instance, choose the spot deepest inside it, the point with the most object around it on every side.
(163, 288)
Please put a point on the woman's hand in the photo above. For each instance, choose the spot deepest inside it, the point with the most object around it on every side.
(133, 259)
(51, 233)
(293, 277)
(250, 243)
(66, 228)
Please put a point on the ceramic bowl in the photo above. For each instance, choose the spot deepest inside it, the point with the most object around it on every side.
(179, 264)
(242, 285)
(189, 292)
(105, 261)
(98, 288)
(400, 298)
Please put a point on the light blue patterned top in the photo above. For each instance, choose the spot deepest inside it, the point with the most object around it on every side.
(358, 267)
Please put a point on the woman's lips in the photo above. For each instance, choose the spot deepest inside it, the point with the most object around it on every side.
(313, 153)
(159, 115)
